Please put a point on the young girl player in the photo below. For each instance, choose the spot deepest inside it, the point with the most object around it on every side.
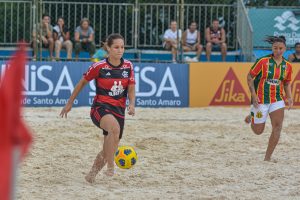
(267, 79)
(114, 79)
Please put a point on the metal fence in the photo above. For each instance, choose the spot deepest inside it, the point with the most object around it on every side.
(15, 21)
(105, 18)
(142, 24)
(244, 32)
(154, 19)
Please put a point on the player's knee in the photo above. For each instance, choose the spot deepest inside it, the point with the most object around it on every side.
(58, 44)
(115, 130)
(277, 127)
(223, 48)
(258, 130)
(69, 44)
(77, 46)
(50, 40)
(208, 45)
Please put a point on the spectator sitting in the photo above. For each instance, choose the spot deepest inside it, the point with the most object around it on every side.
(61, 36)
(44, 34)
(84, 38)
(101, 53)
(170, 39)
(191, 41)
(215, 40)
(295, 57)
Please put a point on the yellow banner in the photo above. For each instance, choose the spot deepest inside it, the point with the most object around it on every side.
(225, 84)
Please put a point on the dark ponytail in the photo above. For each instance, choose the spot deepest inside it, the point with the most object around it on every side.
(273, 39)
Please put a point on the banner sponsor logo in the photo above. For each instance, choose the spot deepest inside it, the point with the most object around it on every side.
(230, 92)
(286, 20)
(296, 90)
(161, 86)
(51, 84)
(277, 22)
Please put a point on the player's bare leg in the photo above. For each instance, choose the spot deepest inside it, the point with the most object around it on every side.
(51, 47)
(99, 163)
(111, 145)
(174, 52)
(111, 141)
(199, 49)
(208, 50)
(276, 121)
(58, 46)
(223, 51)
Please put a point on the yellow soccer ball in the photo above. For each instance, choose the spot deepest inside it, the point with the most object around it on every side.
(125, 157)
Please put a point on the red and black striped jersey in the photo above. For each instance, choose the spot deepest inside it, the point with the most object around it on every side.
(111, 84)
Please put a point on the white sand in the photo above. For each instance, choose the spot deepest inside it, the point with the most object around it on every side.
(206, 153)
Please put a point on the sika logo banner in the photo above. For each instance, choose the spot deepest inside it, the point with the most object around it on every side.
(296, 89)
(230, 92)
(219, 84)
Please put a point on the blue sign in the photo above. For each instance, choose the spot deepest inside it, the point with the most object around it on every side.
(276, 22)
(51, 84)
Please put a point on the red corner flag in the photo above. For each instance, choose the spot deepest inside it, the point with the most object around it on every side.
(14, 136)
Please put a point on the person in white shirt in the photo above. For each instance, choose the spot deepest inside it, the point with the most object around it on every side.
(191, 41)
(170, 39)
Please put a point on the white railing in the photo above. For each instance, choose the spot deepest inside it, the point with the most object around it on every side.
(244, 32)
(142, 24)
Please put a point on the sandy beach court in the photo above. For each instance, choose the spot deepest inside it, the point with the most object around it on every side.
(184, 153)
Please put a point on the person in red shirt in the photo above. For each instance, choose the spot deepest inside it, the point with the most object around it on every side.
(114, 79)
(267, 79)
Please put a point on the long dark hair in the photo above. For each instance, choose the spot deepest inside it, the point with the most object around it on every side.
(110, 39)
(59, 19)
(272, 39)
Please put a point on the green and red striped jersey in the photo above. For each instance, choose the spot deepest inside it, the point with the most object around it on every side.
(270, 78)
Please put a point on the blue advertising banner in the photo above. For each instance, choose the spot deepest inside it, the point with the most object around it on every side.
(51, 83)
(275, 22)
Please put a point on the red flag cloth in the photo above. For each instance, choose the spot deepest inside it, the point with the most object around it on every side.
(13, 132)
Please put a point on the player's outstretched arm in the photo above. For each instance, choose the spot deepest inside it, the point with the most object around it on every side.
(131, 97)
(73, 96)
(254, 98)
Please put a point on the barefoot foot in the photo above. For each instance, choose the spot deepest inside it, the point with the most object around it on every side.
(270, 160)
(99, 163)
(109, 171)
(90, 178)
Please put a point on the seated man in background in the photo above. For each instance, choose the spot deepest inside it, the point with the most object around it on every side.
(84, 38)
(215, 40)
(295, 57)
(191, 41)
(170, 39)
(62, 38)
(43, 34)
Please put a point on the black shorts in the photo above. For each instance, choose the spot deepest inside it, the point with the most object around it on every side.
(216, 47)
(98, 112)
